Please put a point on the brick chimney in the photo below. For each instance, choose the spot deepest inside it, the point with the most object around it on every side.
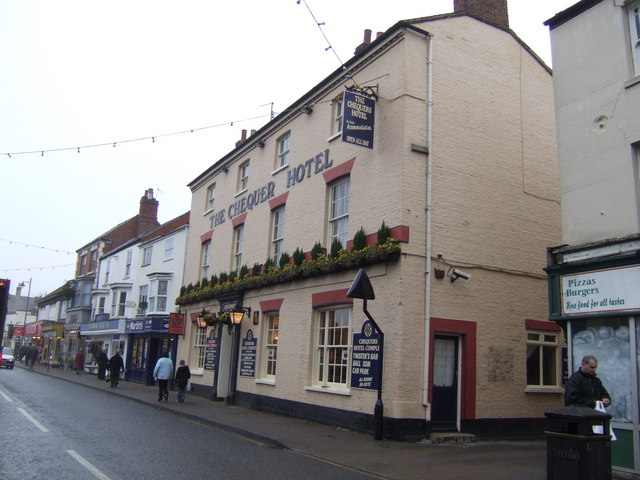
(493, 12)
(148, 214)
(365, 42)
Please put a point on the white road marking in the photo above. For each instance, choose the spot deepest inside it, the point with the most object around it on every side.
(33, 420)
(5, 396)
(87, 465)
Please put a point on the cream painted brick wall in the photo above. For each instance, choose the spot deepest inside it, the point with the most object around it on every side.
(495, 210)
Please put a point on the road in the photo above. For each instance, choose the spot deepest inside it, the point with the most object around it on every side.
(59, 430)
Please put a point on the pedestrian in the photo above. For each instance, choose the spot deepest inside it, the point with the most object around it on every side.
(163, 372)
(183, 374)
(116, 365)
(103, 363)
(79, 363)
(33, 355)
(584, 388)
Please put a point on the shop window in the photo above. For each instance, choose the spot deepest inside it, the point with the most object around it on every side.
(609, 340)
(543, 359)
(198, 347)
(339, 211)
(277, 241)
(270, 346)
(139, 354)
(332, 348)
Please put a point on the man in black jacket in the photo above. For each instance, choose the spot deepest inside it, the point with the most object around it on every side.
(584, 389)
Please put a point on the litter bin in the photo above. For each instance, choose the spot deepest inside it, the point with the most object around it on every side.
(574, 452)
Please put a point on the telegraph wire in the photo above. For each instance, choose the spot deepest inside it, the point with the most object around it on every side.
(320, 24)
(30, 269)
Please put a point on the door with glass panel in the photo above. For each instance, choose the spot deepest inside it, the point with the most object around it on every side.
(444, 404)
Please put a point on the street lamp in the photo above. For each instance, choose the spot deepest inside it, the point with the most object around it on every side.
(201, 320)
(236, 318)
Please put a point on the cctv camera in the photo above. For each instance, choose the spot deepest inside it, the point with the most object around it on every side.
(456, 274)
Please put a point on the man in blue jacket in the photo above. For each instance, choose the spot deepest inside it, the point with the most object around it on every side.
(163, 373)
(584, 389)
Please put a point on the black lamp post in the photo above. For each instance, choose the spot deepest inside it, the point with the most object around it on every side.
(236, 318)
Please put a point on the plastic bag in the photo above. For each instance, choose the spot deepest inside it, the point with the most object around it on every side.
(599, 429)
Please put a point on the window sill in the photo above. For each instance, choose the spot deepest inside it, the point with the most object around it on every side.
(333, 390)
(197, 373)
(241, 192)
(207, 212)
(334, 136)
(264, 381)
(632, 82)
(279, 169)
(544, 390)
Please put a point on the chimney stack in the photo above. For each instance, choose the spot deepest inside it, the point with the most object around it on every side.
(148, 214)
(493, 12)
(365, 43)
(243, 138)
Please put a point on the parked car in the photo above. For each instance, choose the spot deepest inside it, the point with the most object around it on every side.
(6, 358)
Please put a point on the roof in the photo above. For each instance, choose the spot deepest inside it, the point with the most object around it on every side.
(571, 12)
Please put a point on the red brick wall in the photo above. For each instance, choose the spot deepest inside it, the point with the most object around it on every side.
(494, 12)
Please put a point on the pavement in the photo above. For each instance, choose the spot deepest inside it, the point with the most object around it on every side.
(379, 459)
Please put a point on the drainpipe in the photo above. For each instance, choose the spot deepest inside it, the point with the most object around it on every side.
(429, 247)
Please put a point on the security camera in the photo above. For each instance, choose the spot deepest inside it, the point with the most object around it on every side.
(456, 274)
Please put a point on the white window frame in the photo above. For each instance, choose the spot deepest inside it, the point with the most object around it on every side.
(337, 112)
(243, 176)
(127, 267)
(284, 148)
(122, 303)
(634, 32)
(544, 341)
(198, 347)
(339, 193)
(270, 331)
(158, 291)
(277, 239)
(168, 248)
(101, 304)
(238, 246)
(147, 252)
(206, 259)
(143, 296)
(327, 324)
(211, 198)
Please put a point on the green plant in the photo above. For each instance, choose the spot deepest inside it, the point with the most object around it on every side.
(244, 271)
(256, 270)
(359, 240)
(298, 257)
(204, 282)
(232, 276)
(214, 280)
(336, 246)
(269, 264)
(316, 251)
(284, 260)
(223, 277)
(384, 233)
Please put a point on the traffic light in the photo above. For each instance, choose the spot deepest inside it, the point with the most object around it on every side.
(4, 300)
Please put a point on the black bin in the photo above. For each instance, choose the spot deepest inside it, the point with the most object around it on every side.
(574, 452)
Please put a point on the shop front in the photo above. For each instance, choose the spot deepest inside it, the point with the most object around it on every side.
(148, 339)
(52, 335)
(596, 299)
(107, 335)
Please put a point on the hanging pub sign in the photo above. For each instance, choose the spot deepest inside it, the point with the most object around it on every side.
(365, 358)
(248, 355)
(176, 323)
(357, 118)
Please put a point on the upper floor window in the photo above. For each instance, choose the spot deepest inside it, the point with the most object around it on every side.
(83, 264)
(206, 258)
(284, 144)
(119, 304)
(243, 176)
(238, 243)
(93, 256)
(278, 234)
(142, 299)
(339, 211)
(146, 256)
(336, 115)
(101, 303)
(332, 346)
(107, 271)
(634, 30)
(127, 267)
(168, 248)
(211, 197)
(542, 359)
(158, 296)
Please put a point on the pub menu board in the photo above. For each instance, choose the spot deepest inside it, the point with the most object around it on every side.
(365, 358)
(211, 350)
(248, 355)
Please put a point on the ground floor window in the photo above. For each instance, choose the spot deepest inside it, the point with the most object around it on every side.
(332, 347)
(542, 359)
(198, 346)
(270, 346)
(138, 353)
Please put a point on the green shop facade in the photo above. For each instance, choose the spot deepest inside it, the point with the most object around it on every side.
(594, 294)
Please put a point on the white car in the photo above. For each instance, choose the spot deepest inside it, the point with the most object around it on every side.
(6, 358)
